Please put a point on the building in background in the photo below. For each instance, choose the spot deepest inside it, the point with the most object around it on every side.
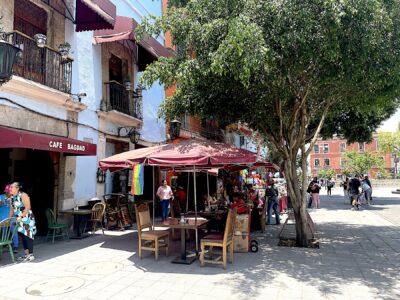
(328, 154)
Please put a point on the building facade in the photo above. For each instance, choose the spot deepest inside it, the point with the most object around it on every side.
(61, 113)
(328, 154)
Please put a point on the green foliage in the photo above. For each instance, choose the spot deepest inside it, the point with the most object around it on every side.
(287, 69)
(326, 173)
(358, 164)
(389, 142)
(266, 63)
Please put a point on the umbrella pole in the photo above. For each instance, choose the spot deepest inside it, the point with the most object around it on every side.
(208, 191)
(187, 193)
(154, 197)
(195, 208)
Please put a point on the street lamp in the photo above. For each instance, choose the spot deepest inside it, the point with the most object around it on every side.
(8, 56)
(131, 133)
(174, 128)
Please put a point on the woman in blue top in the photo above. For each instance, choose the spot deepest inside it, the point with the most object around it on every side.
(5, 211)
(26, 227)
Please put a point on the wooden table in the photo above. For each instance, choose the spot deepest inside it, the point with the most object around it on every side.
(192, 223)
(78, 216)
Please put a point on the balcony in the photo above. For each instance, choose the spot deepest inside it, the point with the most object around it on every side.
(41, 65)
(121, 100)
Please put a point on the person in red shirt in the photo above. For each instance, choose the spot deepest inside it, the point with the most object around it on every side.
(239, 204)
(181, 197)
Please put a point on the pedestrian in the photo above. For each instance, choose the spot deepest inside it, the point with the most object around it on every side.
(26, 226)
(367, 191)
(314, 188)
(346, 187)
(366, 178)
(5, 212)
(165, 194)
(272, 194)
(309, 191)
(354, 191)
(329, 184)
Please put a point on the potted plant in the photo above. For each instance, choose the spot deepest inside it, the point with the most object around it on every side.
(64, 49)
(128, 84)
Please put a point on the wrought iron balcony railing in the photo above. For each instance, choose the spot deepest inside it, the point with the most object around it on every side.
(42, 65)
(119, 99)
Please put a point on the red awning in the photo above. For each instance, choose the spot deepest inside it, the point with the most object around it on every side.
(189, 153)
(16, 138)
(124, 30)
(94, 14)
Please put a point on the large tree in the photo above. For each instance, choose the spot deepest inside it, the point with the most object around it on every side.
(358, 164)
(289, 69)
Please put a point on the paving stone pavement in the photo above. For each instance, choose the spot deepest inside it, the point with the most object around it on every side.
(359, 258)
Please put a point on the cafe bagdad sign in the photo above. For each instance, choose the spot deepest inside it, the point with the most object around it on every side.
(69, 146)
(16, 138)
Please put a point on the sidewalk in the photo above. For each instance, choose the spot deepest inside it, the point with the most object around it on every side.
(359, 258)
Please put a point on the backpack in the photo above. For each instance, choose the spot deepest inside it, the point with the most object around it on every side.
(330, 184)
(315, 188)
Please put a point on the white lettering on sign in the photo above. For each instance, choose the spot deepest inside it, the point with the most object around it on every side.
(76, 147)
(59, 145)
(54, 144)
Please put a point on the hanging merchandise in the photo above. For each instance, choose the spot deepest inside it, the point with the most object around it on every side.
(137, 179)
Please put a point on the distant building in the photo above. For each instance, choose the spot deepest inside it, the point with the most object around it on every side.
(328, 154)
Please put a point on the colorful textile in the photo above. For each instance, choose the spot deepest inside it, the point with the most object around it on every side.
(27, 224)
(137, 179)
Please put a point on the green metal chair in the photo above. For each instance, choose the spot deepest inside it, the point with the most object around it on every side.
(7, 232)
(52, 225)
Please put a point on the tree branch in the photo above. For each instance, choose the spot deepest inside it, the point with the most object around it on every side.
(317, 131)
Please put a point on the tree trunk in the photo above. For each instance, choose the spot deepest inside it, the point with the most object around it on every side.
(298, 197)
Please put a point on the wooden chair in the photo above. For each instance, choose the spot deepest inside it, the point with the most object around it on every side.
(149, 239)
(224, 241)
(7, 231)
(58, 229)
(98, 216)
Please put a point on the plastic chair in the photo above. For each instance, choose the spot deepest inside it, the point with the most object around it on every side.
(149, 239)
(52, 225)
(224, 241)
(97, 216)
(7, 231)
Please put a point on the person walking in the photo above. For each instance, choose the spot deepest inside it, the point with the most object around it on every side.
(26, 225)
(367, 190)
(165, 194)
(272, 194)
(5, 212)
(314, 188)
(346, 187)
(366, 178)
(354, 191)
(329, 184)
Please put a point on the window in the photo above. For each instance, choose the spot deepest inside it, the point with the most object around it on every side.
(326, 148)
(316, 148)
(361, 147)
(316, 162)
(342, 147)
(342, 162)
(327, 162)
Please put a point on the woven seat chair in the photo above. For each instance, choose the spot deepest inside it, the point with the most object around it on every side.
(224, 241)
(97, 217)
(149, 239)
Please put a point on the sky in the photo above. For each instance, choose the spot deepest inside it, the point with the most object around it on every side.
(391, 124)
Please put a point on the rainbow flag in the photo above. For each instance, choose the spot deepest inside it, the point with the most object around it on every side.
(137, 179)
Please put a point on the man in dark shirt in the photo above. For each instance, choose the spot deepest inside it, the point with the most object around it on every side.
(354, 190)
